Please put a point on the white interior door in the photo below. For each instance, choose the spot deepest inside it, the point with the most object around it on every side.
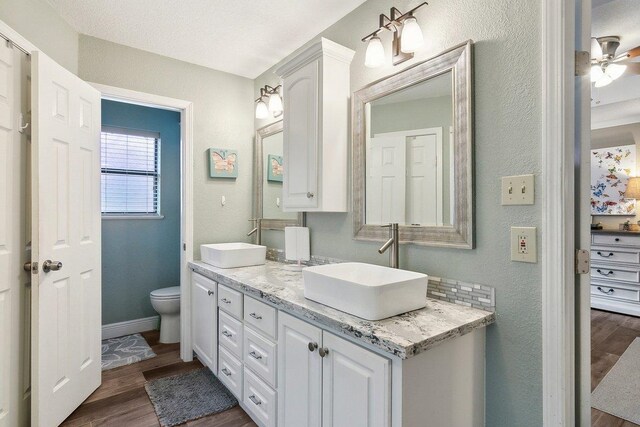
(424, 180)
(66, 304)
(385, 198)
(14, 240)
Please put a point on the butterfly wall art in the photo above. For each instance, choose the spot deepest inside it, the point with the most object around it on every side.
(274, 168)
(223, 163)
(610, 172)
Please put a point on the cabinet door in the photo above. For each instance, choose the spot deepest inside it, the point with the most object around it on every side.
(205, 320)
(301, 129)
(299, 373)
(356, 386)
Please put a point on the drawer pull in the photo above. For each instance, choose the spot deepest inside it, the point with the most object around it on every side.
(609, 292)
(617, 239)
(255, 316)
(608, 273)
(226, 301)
(255, 355)
(227, 334)
(255, 400)
(605, 256)
(226, 372)
(209, 292)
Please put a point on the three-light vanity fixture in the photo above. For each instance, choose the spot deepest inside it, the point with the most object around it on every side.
(274, 100)
(407, 37)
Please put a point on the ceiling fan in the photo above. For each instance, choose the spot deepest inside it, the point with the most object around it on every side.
(605, 65)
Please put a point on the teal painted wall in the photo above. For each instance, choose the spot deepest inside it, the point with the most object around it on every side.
(139, 256)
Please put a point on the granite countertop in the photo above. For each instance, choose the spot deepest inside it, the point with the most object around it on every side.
(613, 231)
(403, 336)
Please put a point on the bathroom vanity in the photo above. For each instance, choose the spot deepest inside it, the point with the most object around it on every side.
(293, 362)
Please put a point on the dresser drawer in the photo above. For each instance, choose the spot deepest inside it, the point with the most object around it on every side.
(261, 316)
(616, 239)
(230, 301)
(259, 399)
(259, 354)
(627, 256)
(615, 273)
(616, 292)
(230, 333)
(230, 372)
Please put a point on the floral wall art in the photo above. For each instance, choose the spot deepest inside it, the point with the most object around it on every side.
(610, 171)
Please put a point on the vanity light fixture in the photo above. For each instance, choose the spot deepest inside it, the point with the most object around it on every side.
(407, 37)
(272, 95)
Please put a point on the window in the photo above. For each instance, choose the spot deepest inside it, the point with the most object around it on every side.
(130, 172)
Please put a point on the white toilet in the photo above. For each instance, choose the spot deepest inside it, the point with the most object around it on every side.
(166, 302)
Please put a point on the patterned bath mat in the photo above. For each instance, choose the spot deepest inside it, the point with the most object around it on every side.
(189, 396)
(125, 351)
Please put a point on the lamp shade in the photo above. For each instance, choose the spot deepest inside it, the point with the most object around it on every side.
(374, 56)
(262, 112)
(411, 38)
(615, 70)
(596, 73)
(633, 188)
(275, 103)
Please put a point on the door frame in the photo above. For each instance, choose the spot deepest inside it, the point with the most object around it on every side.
(185, 108)
(564, 323)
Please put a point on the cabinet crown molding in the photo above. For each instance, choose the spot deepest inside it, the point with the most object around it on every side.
(324, 47)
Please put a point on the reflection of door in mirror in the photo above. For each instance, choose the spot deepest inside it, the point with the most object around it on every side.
(272, 178)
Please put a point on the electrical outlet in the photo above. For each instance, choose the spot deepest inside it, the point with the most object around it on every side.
(518, 190)
(523, 244)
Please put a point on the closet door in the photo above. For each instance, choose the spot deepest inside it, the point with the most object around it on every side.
(66, 296)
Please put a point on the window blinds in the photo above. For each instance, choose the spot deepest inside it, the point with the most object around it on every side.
(130, 162)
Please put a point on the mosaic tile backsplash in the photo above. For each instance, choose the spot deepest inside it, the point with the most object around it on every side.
(462, 293)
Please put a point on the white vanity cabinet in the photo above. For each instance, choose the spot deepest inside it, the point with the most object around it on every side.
(316, 90)
(205, 320)
(326, 380)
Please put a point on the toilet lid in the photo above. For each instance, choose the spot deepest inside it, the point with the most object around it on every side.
(172, 292)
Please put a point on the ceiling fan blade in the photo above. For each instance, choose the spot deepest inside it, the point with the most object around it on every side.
(632, 68)
(596, 49)
(632, 53)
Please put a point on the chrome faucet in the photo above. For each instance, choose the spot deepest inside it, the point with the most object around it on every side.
(393, 243)
(257, 230)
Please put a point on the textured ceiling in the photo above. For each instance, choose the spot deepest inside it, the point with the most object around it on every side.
(618, 18)
(243, 37)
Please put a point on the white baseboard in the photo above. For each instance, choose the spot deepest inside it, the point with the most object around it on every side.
(114, 330)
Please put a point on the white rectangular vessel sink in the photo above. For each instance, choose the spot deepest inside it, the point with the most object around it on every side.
(366, 290)
(232, 255)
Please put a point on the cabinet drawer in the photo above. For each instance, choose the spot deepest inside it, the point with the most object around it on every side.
(628, 256)
(230, 372)
(616, 292)
(230, 334)
(259, 399)
(260, 356)
(615, 273)
(261, 316)
(616, 239)
(230, 301)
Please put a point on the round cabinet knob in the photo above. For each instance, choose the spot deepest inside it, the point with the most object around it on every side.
(313, 346)
(324, 351)
(209, 292)
(310, 195)
(617, 239)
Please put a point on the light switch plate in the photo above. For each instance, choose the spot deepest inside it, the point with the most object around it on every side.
(518, 190)
(524, 247)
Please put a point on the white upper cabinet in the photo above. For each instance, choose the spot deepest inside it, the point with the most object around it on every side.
(316, 102)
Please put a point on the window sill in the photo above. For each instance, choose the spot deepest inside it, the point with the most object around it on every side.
(131, 217)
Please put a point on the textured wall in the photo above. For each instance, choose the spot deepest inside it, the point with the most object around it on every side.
(223, 118)
(507, 142)
(139, 256)
(37, 22)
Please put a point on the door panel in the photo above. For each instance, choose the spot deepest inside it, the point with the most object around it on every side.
(66, 306)
(205, 320)
(386, 159)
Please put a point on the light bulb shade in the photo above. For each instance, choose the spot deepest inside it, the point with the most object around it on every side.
(633, 188)
(275, 103)
(596, 49)
(603, 81)
(411, 38)
(262, 112)
(596, 73)
(615, 70)
(375, 53)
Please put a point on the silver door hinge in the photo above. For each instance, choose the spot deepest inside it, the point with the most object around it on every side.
(583, 63)
(583, 265)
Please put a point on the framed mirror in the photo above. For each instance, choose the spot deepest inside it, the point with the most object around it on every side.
(413, 153)
(269, 174)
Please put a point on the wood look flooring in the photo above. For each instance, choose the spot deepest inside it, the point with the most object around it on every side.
(121, 400)
(611, 334)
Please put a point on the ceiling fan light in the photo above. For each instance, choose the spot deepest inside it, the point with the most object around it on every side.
(262, 112)
(411, 38)
(596, 73)
(596, 49)
(615, 70)
(603, 81)
(275, 104)
(374, 56)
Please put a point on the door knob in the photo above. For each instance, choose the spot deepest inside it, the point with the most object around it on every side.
(28, 266)
(49, 265)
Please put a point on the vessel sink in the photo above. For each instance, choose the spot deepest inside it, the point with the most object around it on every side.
(232, 255)
(368, 291)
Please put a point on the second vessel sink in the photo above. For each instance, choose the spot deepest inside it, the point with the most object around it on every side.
(232, 255)
(365, 290)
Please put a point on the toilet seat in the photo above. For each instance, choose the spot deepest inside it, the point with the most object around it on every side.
(172, 292)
